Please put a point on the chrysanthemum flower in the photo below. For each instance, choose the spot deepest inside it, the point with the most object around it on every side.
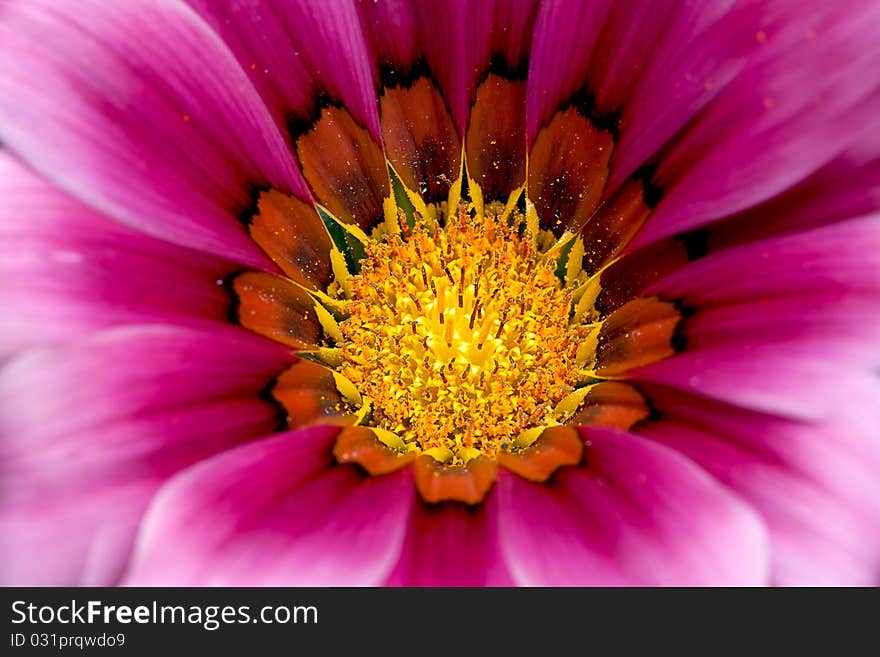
(465, 292)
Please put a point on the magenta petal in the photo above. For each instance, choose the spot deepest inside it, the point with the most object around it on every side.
(401, 32)
(816, 289)
(276, 512)
(501, 27)
(452, 545)
(161, 129)
(805, 94)
(846, 187)
(92, 428)
(649, 60)
(700, 49)
(294, 51)
(634, 514)
(39, 548)
(66, 271)
(789, 379)
(816, 486)
(845, 325)
(841, 258)
(643, 42)
(391, 30)
(564, 37)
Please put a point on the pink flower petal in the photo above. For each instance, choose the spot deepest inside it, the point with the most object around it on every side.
(295, 51)
(634, 514)
(452, 545)
(309, 62)
(68, 271)
(138, 109)
(92, 428)
(399, 33)
(80, 538)
(847, 325)
(276, 512)
(699, 50)
(805, 94)
(565, 34)
(501, 28)
(843, 257)
(784, 379)
(634, 57)
(846, 187)
(392, 31)
(816, 486)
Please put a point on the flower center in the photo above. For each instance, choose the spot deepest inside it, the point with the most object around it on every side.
(459, 337)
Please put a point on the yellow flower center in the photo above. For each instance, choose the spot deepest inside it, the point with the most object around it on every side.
(459, 337)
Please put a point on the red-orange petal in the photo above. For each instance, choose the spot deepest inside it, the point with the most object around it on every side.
(345, 168)
(641, 332)
(612, 404)
(467, 483)
(568, 168)
(614, 225)
(292, 234)
(496, 137)
(635, 271)
(309, 395)
(420, 139)
(361, 446)
(555, 447)
(277, 309)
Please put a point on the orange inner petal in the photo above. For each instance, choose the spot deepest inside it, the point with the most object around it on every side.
(556, 447)
(614, 225)
(421, 141)
(277, 309)
(641, 332)
(361, 446)
(612, 404)
(468, 483)
(568, 167)
(292, 234)
(345, 168)
(627, 277)
(308, 393)
(496, 137)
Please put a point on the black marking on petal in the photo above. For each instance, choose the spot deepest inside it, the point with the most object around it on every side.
(695, 242)
(685, 310)
(679, 340)
(391, 75)
(499, 65)
(433, 508)
(299, 125)
(585, 104)
(232, 312)
(356, 467)
(246, 215)
(266, 394)
(651, 192)
(654, 413)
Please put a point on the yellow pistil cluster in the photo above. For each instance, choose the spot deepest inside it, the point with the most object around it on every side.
(459, 337)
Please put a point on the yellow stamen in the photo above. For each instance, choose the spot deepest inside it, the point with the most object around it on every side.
(459, 338)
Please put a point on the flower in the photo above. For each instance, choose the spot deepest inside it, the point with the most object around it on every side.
(364, 293)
